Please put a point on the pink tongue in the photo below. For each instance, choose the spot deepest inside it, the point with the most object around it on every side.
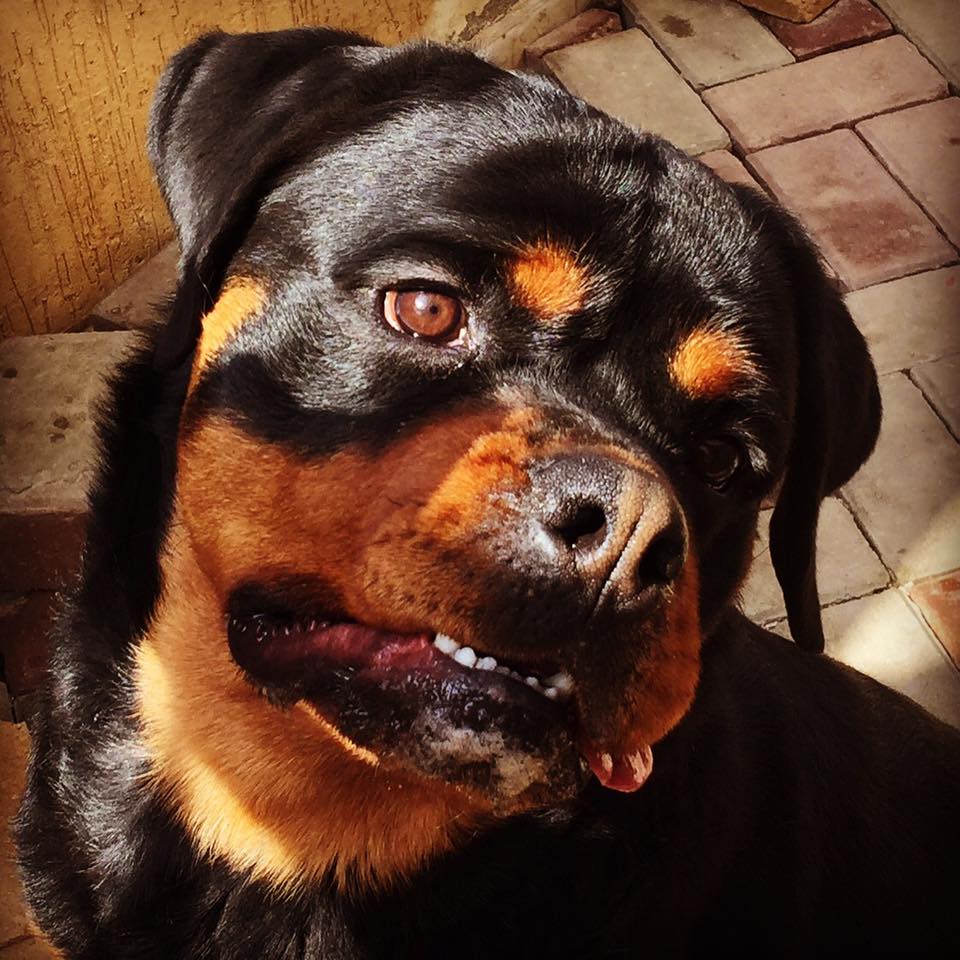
(624, 772)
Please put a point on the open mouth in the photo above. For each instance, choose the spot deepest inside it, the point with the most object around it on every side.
(498, 727)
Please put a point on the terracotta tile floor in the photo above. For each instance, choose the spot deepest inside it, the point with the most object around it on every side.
(879, 195)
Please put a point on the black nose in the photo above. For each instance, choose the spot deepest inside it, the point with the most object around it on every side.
(604, 523)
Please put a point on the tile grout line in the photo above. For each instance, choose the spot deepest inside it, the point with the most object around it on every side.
(912, 272)
(636, 25)
(872, 592)
(903, 186)
(892, 579)
(848, 124)
(908, 373)
(697, 93)
(845, 288)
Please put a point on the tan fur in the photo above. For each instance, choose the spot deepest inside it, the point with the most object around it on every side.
(547, 279)
(272, 792)
(665, 681)
(392, 535)
(240, 300)
(711, 362)
(284, 794)
(641, 686)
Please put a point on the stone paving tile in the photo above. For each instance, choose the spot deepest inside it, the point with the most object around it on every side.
(907, 495)
(625, 75)
(867, 227)
(881, 636)
(909, 320)
(49, 388)
(939, 602)
(826, 92)
(940, 382)
(921, 148)
(934, 26)
(846, 564)
(589, 25)
(726, 165)
(133, 305)
(709, 41)
(14, 747)
(842, 24)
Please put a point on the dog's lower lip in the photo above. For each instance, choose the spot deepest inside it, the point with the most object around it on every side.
(282, 651)
(414, 707)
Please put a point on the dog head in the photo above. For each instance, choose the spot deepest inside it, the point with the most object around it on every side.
(482, 392)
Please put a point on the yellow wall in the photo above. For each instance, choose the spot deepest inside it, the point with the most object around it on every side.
(78, 206)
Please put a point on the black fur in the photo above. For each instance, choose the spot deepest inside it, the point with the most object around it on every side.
(799, 807)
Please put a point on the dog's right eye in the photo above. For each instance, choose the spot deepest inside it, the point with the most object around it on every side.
(426, 314)
(717, 460)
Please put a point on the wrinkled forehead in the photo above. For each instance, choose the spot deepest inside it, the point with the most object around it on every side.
(505, 170)
(570, 213)
(494, 168)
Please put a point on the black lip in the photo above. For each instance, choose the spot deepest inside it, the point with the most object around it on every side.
(416, 708)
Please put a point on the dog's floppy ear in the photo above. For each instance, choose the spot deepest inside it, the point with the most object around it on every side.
(229, 113)
(835, 425)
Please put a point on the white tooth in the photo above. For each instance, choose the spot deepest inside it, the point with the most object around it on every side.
(446, 644)
(606, 761)
(532, 682)
(562, 681)
(465, 656)
(486, 663)
(552, 693)
(504, 670)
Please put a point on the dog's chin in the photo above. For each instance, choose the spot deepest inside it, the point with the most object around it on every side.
(419, 703)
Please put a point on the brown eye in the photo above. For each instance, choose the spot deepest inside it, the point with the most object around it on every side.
(717, 461)
(425, 313)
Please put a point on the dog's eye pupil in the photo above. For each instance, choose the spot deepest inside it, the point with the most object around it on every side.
(717, 461)
(424, 313)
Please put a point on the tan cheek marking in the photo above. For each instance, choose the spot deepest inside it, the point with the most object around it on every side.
(494, 462)
(240, 300)
(711, 363)
(271, 792)
(548, 281)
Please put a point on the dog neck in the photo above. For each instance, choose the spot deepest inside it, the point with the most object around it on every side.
(274, 792)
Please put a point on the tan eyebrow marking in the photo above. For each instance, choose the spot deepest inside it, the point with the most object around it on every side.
(239, 300)
(711, 362)
(547, 279)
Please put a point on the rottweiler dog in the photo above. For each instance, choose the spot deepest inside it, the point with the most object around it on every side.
(408, 622)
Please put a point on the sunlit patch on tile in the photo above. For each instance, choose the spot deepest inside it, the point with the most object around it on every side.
(712, 362)
(548, 280)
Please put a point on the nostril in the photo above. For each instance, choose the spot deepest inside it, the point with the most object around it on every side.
(583, 528)
(662, 561)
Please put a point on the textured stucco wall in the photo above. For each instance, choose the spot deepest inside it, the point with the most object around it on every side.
(78, 206)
